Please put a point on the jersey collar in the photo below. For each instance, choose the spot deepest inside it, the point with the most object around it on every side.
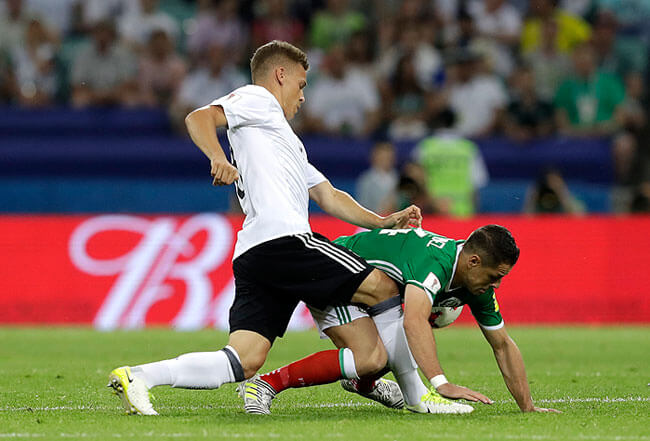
(264, 91)
(459, 248)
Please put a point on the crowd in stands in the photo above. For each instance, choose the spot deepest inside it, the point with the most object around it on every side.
(442, 71)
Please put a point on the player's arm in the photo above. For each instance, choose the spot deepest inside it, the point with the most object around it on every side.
(511, 364)
(201, 125)
(417, 308)
(341, 205)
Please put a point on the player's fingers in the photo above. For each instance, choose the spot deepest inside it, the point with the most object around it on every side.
(216, 180)
(416, 215)
(231, 177)
(482, 398)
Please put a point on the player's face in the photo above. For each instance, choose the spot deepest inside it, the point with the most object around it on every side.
(296, 81)
(481, 277)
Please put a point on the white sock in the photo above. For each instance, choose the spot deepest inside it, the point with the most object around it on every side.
(411, 386)
(348, 367)
(196, 370)
(390, 325)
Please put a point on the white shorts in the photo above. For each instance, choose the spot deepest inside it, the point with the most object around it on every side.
(335, 316)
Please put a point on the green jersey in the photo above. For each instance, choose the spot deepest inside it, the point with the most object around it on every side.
(427, 260)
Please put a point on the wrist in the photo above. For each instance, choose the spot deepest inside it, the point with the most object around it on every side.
(438, 381)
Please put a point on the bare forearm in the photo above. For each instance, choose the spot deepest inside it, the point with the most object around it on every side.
(423, 347)
(344, 207)
(513, 370)
(203, 132)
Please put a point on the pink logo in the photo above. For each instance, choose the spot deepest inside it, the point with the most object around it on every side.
(155, 260)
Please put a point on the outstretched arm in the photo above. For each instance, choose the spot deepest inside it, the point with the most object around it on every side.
(341, 205)
(202, 126)
(417, 308)
(512, 368)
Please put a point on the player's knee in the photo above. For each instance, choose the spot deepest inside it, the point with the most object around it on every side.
(371, 362)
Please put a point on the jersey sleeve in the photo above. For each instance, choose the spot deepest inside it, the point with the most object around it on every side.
(242, 109)
(486, 311)
(314, 177)
(428, 275)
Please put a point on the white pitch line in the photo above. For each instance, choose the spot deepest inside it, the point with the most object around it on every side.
(231, 435)
(569, 400)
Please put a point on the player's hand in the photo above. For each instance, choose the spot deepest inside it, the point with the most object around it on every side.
(544, 409)
(402, 219)
(223, 172)
(455, 392)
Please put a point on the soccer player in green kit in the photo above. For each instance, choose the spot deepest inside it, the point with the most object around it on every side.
(434, 271)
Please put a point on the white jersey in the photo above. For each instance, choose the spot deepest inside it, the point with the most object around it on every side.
(274, 173)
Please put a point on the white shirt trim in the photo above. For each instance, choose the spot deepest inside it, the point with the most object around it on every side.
(492, 328)
(453, 270)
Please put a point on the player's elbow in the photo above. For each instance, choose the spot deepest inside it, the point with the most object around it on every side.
(192, 118)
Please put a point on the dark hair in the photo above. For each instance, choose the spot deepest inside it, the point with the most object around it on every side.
(275, 52)
(494, 244)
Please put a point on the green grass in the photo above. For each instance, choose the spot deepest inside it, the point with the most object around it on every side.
(52, 386)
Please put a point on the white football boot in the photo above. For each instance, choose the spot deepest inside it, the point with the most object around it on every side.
(257, 395)
(433, 402)
(132, 391)
(386, 392)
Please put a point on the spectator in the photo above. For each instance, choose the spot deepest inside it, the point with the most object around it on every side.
(58, 16)
(13, 24)
(618, 56)
(342, 101)
(136, 28)
(200, 86)
(550, 66)
(275, 23)
(550, 195)
(580, 8)
(411, 189)
(218, 23)
(627, 161)
(640, 202)
(454, 168)
(376, 185)
(499, 27)
(95, 11)
(423, 56)
(405, 102)
(571, 30)
(527, 116)
(34, 67)
(103, 73)
(335, 24)
(477, 99)
(632, 16)
(587, 103)
(7, 81)
(360, 54)
(161, 71)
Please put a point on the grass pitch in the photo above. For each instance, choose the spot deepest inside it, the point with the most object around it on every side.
(52, 386)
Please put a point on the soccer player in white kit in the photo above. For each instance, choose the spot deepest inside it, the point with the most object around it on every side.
(278, 260)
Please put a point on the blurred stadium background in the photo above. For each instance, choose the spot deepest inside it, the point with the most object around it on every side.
(531, 114)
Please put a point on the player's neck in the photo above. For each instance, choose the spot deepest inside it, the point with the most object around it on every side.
(273, 88)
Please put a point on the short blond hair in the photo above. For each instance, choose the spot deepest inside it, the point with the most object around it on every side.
(273, 53)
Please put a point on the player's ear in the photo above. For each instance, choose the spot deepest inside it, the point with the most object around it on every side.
(474, 260)
(280, 74)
